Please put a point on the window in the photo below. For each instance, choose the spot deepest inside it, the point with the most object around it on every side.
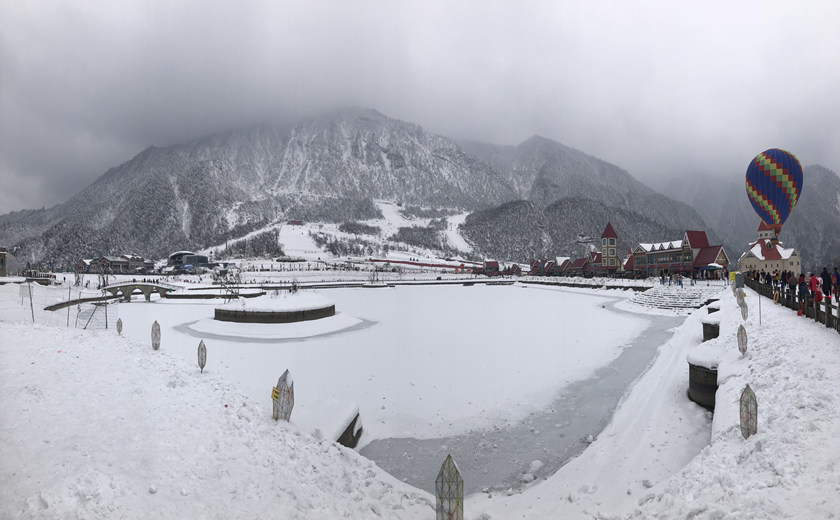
(604, 241)
(612, 241)
(612, 261)
(612, 253)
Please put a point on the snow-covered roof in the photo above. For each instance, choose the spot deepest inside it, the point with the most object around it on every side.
(760, 250)
(662, 246)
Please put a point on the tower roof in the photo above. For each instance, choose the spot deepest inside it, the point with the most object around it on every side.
(609, 232)
(764, 227)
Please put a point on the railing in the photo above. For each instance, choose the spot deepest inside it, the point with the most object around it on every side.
(821, 312)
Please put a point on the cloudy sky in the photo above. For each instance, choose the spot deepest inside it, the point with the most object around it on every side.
(660, 88)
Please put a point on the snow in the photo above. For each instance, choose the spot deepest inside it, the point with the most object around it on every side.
(283, 302)
(453, 235)
(273, 331)
(95, 425)
(410, 369)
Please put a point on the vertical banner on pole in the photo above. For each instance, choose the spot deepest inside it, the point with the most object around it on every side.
(202, 356)
(119, 325)
(155, 335)
(283, 397)
(449, 490)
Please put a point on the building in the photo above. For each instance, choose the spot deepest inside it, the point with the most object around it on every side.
(689, 255)
(113, 265)
(5, 260)
(766, 254)
(579, 266)
(84, 265)
(187, 258)
(609, 261)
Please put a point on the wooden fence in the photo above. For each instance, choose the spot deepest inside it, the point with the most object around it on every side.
(822, 312)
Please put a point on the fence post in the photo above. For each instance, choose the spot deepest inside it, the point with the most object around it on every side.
(31, 306)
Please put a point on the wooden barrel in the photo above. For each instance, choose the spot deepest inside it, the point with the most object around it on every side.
(702, 385)
(710, 331)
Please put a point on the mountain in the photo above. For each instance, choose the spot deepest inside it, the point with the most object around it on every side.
(330, 169)
(198, 194)
(544, 171)
(813, 226)
(525, 230)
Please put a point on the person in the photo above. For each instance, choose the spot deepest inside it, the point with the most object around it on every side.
(803, 288)
(813, 284)
(826, 283)
(835, 282)
(783, 280)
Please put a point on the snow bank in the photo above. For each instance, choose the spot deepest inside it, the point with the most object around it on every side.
(791, 467)
(97, 426)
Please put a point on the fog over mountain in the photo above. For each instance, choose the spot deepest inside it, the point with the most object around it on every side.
(327, 168)
(662, 89)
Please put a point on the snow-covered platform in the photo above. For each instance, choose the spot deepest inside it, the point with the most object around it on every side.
(289, 308)
(275, 331)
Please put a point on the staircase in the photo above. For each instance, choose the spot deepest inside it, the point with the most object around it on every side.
(674, 299)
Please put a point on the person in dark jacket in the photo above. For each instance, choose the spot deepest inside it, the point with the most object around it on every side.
(803, 288)
(826, 282)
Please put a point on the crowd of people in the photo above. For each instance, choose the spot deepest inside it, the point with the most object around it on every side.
(805, 286)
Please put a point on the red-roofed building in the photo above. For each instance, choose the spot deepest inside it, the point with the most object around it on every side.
(692, 253)
(767, 254)
(628, 262)
(609, 262)
(579, 266)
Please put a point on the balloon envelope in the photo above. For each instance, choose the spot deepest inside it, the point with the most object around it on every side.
(774, 183)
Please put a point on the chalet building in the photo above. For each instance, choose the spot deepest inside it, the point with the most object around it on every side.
(113, 264)
(596, 262)
(579, 267)
(691, 254)
(609, 262)
(135, 263)
(491, 267)
(628, 265)
(84, 265)
(766, 254)
(544, 267)
(123, 264)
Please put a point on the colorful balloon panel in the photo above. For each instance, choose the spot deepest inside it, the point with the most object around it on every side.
(774, 183)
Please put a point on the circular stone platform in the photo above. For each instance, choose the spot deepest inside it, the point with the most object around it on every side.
(286, 308)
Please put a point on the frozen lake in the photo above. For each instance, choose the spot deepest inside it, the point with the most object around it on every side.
(500, 376)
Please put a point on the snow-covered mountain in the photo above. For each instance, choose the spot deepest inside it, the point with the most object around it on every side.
(545, 171)
(323, 169)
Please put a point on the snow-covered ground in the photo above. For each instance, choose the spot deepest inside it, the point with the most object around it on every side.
(411, 370)
(100, 426)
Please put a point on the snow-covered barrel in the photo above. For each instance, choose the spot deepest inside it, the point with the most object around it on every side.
(711, 327)
(703, 361)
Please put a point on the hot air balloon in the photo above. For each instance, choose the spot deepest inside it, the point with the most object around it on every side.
(774, 183)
